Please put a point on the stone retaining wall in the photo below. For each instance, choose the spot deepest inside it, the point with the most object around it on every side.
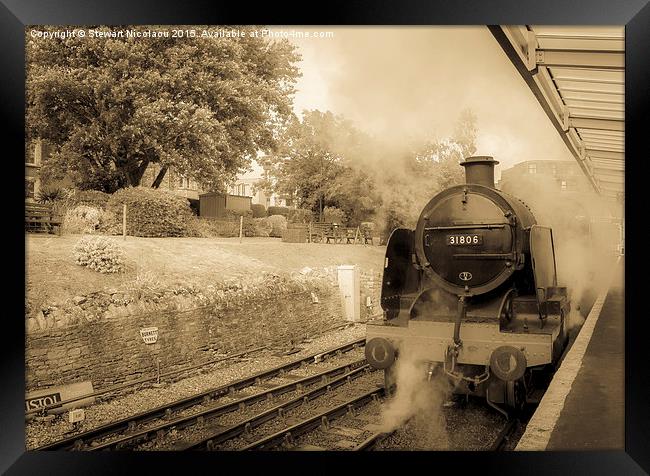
(110, 350)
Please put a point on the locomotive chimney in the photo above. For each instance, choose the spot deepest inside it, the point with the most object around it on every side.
(480, 170)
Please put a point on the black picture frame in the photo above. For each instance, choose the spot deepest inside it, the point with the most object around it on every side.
(635, 14)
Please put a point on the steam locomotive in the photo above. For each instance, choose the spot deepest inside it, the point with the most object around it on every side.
(473, 292)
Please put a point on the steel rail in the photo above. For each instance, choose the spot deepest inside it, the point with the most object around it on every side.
(502, 438)
(372, 441)
(211, 413)
(129, 422)
(322, 419)
(245, 426)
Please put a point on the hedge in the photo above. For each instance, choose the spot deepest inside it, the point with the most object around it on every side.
(259, 210)
(150, 212)
(284, 211)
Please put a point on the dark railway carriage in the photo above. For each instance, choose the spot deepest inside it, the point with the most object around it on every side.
(473, 291)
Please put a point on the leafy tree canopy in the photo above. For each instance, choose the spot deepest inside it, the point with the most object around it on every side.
(112, 106)
(316, 165)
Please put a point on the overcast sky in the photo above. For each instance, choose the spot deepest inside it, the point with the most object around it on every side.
(402, 81)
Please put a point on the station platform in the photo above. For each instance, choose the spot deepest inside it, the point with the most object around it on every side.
(583, 408)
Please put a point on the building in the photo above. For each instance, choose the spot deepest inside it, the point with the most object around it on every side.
(34, 154)
(173, 181)
(247, 185)
(565, 173)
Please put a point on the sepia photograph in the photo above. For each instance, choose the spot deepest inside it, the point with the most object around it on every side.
(324, 238)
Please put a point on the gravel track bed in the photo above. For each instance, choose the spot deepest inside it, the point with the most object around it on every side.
(175, 438)
(336, 440)
(38, 433)
(335, 397)
(464, 427)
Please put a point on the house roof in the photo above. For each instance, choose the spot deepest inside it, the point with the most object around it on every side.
(577, 75)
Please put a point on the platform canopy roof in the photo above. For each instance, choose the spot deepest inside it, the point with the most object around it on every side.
(577, 75)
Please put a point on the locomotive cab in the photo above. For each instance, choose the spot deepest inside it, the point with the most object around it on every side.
(473, 291)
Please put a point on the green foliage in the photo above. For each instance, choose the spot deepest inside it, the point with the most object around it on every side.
(111, 107)
(234, 215)
(81, 219)
(300, 215)
(284, 211)
(210, 228)
(278, 224)
(100, 254)
(319, 165)
(334, 215)
(91, 197)
(150, 212)
(259, 210)
(49, 195)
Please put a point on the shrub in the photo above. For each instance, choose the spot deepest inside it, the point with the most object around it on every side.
(284, 211)
(91, 197)
(49, 195)
(259, 210)
(211, 228)
(100, 254)
(150, 212)
(300, 215)
(233, 215)
(334, 215)
(278, 224)
(81, 219)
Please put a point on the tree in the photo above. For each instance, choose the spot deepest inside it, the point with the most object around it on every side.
(314, 165)
(112, 106)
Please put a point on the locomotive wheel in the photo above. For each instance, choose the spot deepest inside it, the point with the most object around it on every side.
(515, 394)
(390, 381)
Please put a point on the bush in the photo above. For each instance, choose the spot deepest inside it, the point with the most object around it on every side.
(233, 215)
(150, 212)
(49, 195)
(334, 215)
(284, 211)
(259, 210)
(81, 219)
(278, 224)
(300, 215)
(211, 228)
(91, 197)
(100, 254)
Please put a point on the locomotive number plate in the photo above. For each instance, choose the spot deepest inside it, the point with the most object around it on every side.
(464, 240)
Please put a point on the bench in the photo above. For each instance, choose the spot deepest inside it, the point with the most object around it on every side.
(41, 219)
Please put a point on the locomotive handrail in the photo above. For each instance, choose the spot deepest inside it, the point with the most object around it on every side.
(466, 227)
(485, 256)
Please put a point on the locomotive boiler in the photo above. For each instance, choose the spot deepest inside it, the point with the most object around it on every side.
(473, 292)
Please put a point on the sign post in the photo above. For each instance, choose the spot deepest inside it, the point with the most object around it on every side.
(124, 221)
(241, 226)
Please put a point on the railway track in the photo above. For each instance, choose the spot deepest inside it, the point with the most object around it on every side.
(259, 431)
(119, 433)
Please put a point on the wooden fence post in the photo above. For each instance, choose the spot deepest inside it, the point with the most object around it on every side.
(124, 221)
(241, 226)
(309, 235)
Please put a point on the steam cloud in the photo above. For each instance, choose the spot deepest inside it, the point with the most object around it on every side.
(418, 402)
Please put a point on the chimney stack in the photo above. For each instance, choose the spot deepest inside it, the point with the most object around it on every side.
(479, 170)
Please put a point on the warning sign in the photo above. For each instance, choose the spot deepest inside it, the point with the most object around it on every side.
(149, 335)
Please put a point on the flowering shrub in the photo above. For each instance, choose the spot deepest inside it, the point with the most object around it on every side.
(81, 219)
(100, 254)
